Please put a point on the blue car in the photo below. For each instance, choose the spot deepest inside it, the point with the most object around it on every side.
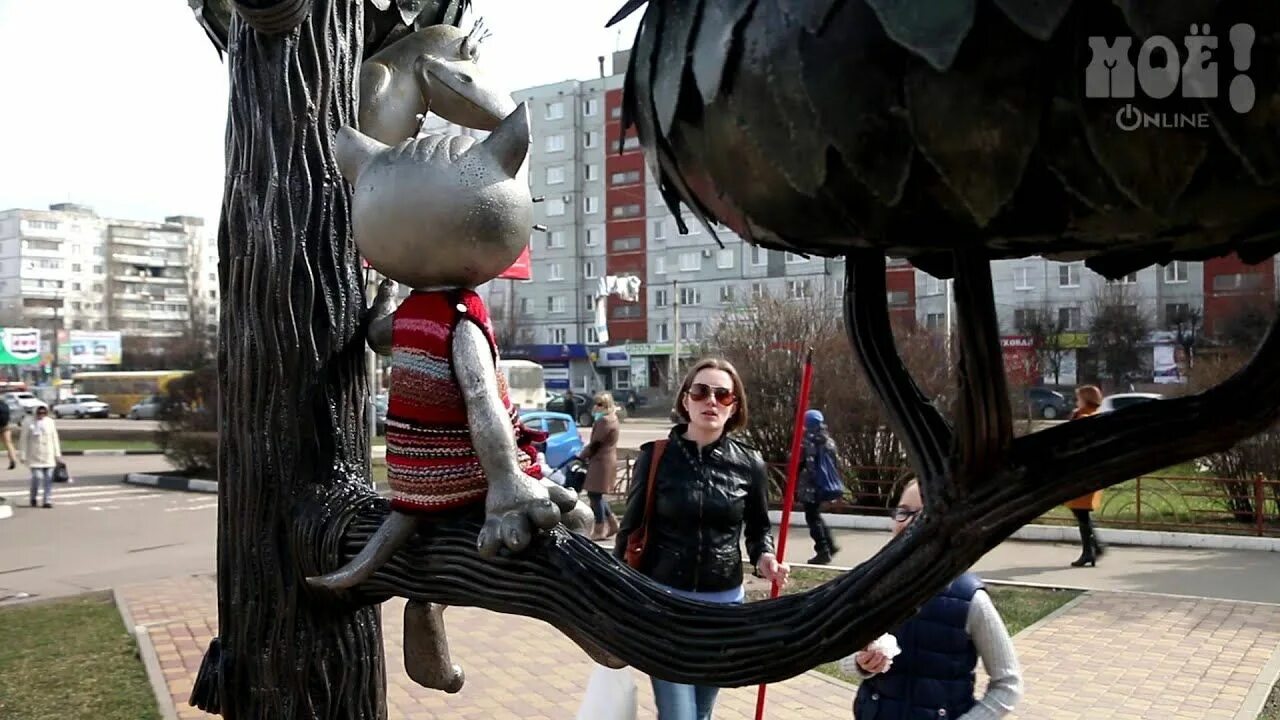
(563, 443)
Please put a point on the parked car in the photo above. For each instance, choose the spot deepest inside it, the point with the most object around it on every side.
(1124, 400)
(22, 403)
(148, 409)
(1045, 403)
(380, 413)
(82, 406)
(629, 400)
(581, 410)
(563, 442)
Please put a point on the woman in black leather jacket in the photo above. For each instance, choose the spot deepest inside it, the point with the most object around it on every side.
(711, 490)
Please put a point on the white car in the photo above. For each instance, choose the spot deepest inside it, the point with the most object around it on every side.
(82, 406)
(1123, 400)
(24, 401)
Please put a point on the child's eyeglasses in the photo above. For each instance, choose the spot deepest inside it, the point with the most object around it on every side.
(701, 391)
(902, 514)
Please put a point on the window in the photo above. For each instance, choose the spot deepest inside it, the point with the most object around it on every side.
(593, 237)
(554, 272)
(555, 143)
(757, 290)
(1024, 318)
(932, 285)
(555, 110)
(1175, 272)
(590, 172)
(589, 302)
(659, 265)
(626, 211)
(690, 296)
(75, 249)
(759, 256)
(1022, 279)
(797, 289)
(555, 239)
(42, 225)
(794, 259)
(1069, 318)
(555, 174)
(659, 229)
(1238, 281)
(591, 204)
(690, 330)
(899, 298)
(631, 143)
(626, 244)
(590, 107)
(935, 321)
(626, 311)
(630, 177)
(75, 267)
(556, 304)
(97, 250)
(690, 261)
(559, 336)
(615, 112)
(97, 287)
(589, 270)
(664, 332)
(76, 287)
(1175, 313)
(526, 336)
(660, 298)
(1129, 279)
(1069, 275)
(555, 207)
(726, 293)
(526, 306)
(590, 139)
(593, 337)
(724, 258)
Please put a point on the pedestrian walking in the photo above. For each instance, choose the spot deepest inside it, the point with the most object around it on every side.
(601, 456)
(1088, 402)
(40, 450)
(6, 429)
(819, 482)
(932, 675)
(694, 497)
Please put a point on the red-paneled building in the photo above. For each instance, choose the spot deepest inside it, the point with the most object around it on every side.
(1230, 285)
(626, 242)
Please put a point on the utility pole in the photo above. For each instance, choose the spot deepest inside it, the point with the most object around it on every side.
(371, 363)
(947, 284)
(674, 370)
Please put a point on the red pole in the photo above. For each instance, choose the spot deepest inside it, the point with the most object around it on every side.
(788, 496)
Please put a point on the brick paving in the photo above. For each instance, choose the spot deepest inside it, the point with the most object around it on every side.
(1109, 655)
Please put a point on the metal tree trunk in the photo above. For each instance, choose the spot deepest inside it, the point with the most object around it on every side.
(292, 371)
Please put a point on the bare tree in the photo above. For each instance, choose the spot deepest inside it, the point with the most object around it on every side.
(1187, 324)
(1244, 329)
(1048, 337)
(1118, 333)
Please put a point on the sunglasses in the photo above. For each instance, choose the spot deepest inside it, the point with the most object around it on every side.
(902, 514)
(701, 391)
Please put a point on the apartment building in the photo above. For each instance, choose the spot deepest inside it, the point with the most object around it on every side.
(69, 268)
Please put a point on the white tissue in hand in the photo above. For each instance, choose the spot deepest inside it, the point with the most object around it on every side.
(886, 644)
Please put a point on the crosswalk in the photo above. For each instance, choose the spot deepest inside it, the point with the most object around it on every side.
(109, 497)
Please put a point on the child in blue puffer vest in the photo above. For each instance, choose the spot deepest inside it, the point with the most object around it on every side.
(933, 677)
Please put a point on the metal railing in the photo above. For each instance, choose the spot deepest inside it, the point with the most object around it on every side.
(1187, 503)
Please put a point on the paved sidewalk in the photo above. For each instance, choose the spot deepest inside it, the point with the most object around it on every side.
(1107, 655)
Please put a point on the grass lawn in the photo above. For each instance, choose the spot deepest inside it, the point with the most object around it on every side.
(1020, 607)
(1271, 711)
(110, 445)
(71, 659)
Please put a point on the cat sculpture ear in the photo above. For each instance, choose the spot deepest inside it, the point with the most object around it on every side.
(354, 149)
(508, 144)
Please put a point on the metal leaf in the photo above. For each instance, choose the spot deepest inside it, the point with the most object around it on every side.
(978, 123)
(1066, 152)
(716, 42)
(625, 11)
(864, 119)
(1162, 17)
(382, 5)
(681, 20)
(934, 30)
(1152, 166)
(411, 9)
(1038, 18)
(813, 14)
(1251, 135)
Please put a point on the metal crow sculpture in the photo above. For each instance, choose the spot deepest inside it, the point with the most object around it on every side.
(948, 131)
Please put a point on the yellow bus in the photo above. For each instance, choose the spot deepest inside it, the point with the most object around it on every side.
(123, 390)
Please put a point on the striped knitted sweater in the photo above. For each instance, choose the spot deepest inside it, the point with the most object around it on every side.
(431, 462)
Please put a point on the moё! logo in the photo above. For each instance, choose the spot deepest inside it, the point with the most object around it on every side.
(1111, 74)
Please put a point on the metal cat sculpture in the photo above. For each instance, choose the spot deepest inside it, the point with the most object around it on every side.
(948, 131)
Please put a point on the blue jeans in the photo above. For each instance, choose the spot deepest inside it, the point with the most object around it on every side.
(41, 477)
(599, 507)
(677, 701)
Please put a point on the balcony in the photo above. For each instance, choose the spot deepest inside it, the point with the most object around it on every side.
(144, 260)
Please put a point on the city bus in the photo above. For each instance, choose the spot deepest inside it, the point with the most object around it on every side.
(122, 390)
(525, 385)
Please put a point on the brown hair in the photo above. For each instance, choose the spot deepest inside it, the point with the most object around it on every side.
(738, 420)
(1090, 394)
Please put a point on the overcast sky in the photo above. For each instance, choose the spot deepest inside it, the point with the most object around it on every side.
(121, 105)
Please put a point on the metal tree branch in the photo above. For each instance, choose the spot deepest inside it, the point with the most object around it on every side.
(986, 419)
(273, 17)
(916, 421)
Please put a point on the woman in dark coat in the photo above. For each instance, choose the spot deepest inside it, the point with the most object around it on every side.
(601, 456)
